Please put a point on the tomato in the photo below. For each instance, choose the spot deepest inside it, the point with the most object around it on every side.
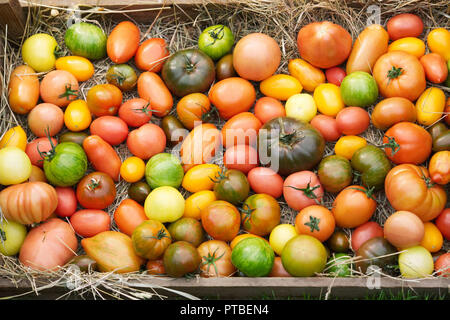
(304, 256)
(37, 174)
(187, 229)
(335, 173)
(327, 126)
(205, 138)
(151, 239)
(173, 129)
(371, 43)
(165, 204)
(80, 67)
(439, 167)
(391, 111)
(15, 166)
(96, 191)
(415, 262)
(256, 56)
(132, 169)
(442, 265)
(135, 112)
(181, 258)
(353, 120)
(84, 263)
(224, 67)
(12, 235)
(411, 45)
(232, 186)
(399, 74)
(278, 269)
(308, 75)
(164, 169)
(155, 267)
(408, 188)
(241, 157)
(375, 252)
(301, 106)
(335, 75)
(37, 148)
(111, 129)
(221, 220)
(265, 180)
(443, 223)
(339, 265)
(192, 109)
(260, 213)
(316, 221)
(23, 89)
(372, 164)
(196, 202)
(347, 146)
(442, 142)
(338, 242)
(146, 141)
(123, 42)
(151, 87)
(46, 119)
(151, 54)
(404, 25)
(280, 235)
(438, 41)
(430, 106)
(267, 108)
(38, 51)
(88, 222)
(122, 76)
(302, 189)
(241, 129)
(216, 259)
(289, 145)
(280, 86)
(139, 191)
(97, 150)
(59, 87)
(403, 229)
(14, 137)
(353, 206)
(77, 116)
(359, 89)
(328, 99)
(253, 257)
(67, 202)
(104, 99)
(435, 67)
(432, 239)
(216, 41)
(232, 96)
(200, 177)
(75, 137)
(365, 232)
(86, 40)
(128, 215)
(243, 236)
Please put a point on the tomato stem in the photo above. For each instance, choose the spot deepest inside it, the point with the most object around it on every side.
(394, 73)
(145, 109)
(51, 153)
(308, 191)
(217, 34)
(368, 192)
(211, 260)
(93, 184)
(247, 212)
(2, 235)
(220, 175)
(395, 147)
(120, 78)
(69, 92)
(428, 181)
(313, 223)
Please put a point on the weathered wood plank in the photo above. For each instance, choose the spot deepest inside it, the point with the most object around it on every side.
(11, 14)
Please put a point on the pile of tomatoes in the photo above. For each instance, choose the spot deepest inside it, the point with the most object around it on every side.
(210, 162)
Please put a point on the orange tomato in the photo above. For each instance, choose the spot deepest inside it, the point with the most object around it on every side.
(391, 111)
(241, 157)
(123, 42)
(403, 229)
(242, 128)
(411, 45)
(46, 119)
(308, 75)
(102, 156)
(435, 67)
(152, 88)
(128, 215)
(193, 108)
(23, 89)
(432, 239)
(439, 167)
(59, 87)
(280, 86)
(104, 99)
(151, 54)
(316, 221)
(80, 67)
(267, 108)
(146, 141)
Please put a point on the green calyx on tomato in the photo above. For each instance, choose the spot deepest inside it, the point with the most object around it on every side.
(68, 93)
(394, 73)
(368, 192)
(308, 191)
(392, 144)
(231, 185)
(313, 223)
(210, 260)
(216, 41)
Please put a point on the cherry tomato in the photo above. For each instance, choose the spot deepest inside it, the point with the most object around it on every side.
(135, 112)
(241, 157)
(265, 180)
(411, 45)
(59, 87)
(432, 239)
(327, 126)
(104, 99)
(146, 141)
(346, 146)
(335, 75)
(67, 201)
(132, 169)
(365, 232)
(302, 189)
(128, 215)
(89, 222)
(111, 129)
(96, 191)
(267, 108)
(353, 120)
(280, 86)
(139, 191)
(151, 54)
(316, 221)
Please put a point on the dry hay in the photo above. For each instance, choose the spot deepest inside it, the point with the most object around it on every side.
(279, 19)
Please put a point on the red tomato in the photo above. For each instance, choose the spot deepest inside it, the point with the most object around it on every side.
(335, 75)
(152, 88)
(365, 232)
(67, 201)
(443, 223)
(442, 265)
(59, 87)
(102, 156)
(241, 157)
(33, 148)
(265, 180)
(435, 67)
(135, 112)
(353, 120)
(88, 223)
(151, 54)
(327, 126)
(104, 99)
(404, 25)
(268, 108)
(123, 41)
(302, 189)
(96, 191)
(146, 141)
(242, 128)
(111, 129)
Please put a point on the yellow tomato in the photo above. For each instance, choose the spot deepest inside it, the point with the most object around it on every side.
(301, 106)
(198, 178)
(438, 41)
(411, 45)
(432, 238)
(280, 86)
(15, 166)
(132, 169)
(77, 116)
(430, 106)
(328, 99)
(346, 146)
(197, 202)
(38, 51)
(14, 137)
(308, 75)
(80, 67)
(280, 235)
(165, 204)
(243, 236)
(415, 262)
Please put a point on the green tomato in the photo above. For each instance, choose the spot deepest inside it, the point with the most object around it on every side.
(12, 236)
(338, 265)
(373, 165)
(301, 106)
(253, 256)
(38, 51)
(164, 204)
(216, 41)
(15, 166)
(359, 89)
(86, 40)
(164, 169)
(416, 262)
(335, 173)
